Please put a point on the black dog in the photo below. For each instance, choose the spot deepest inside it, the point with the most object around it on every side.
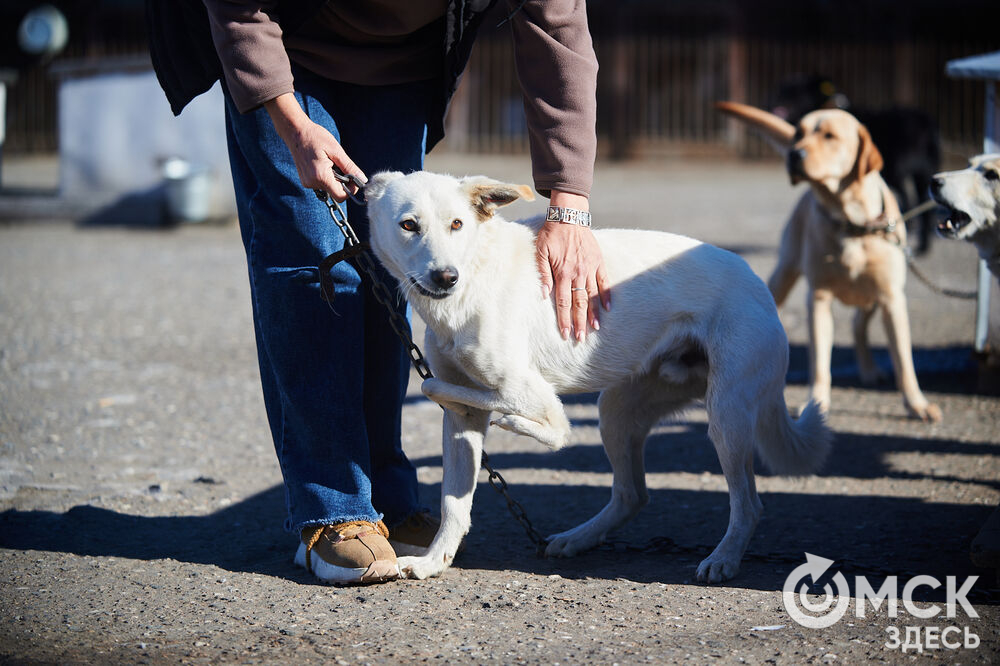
(906, 137)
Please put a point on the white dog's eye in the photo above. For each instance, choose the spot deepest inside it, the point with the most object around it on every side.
(990, 174)
(409, 225)
(456, 225)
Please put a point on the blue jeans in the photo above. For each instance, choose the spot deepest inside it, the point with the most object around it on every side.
(334, 379)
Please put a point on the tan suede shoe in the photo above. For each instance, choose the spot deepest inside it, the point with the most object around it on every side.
(356, 552)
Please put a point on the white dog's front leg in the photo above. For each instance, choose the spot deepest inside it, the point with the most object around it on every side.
(461, 455)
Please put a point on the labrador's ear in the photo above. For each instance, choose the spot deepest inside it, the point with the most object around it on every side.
(869, 158)
(486, 195)
(377, 183)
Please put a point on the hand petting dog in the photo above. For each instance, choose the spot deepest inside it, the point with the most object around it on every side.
(570, 262)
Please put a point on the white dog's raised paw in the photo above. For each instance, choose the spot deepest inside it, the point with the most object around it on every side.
(550, 437)
(715, 569)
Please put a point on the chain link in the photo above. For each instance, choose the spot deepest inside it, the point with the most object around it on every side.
(402, 328)
(515, 507)
(382, 294)
(908, 253)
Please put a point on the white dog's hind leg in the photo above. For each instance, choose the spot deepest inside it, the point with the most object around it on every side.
(867, 369)
(731, 431)
(626, 414)
(461, 456)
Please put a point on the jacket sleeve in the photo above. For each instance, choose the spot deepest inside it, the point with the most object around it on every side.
(557, 69)
(248, 40)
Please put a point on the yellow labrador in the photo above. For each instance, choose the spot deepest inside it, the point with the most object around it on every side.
(972, 197)
(845, 235)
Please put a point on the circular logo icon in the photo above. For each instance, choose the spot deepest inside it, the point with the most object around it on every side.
(815, 614)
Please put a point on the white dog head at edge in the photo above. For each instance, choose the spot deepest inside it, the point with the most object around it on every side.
(971, 195)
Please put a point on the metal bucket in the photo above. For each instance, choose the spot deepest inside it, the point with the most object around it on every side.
(188, 190)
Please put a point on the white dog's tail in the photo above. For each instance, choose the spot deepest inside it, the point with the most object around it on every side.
(793, 447)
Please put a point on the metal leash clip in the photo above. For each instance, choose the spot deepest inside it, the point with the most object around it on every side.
(358, 196)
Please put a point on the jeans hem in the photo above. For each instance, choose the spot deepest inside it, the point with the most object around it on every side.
(334, 521)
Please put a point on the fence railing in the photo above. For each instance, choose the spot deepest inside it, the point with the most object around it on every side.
(655, 93)
(656, 85)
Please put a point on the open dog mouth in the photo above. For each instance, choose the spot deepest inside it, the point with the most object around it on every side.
(954, 222)
(423, 291)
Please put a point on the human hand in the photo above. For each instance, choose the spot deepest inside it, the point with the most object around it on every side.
(314, 150)
(571, 266)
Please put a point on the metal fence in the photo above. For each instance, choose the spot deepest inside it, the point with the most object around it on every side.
(662, 67)
(655, 92)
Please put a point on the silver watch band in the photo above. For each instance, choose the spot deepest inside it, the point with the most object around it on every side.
(568, 216)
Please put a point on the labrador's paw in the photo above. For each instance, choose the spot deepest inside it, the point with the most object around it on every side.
(716, 568)
(929, 413)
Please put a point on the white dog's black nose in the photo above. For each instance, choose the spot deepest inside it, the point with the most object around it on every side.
(445, 278)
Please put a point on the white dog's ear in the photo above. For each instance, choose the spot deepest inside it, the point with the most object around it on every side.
(488, 195)
(377, 184)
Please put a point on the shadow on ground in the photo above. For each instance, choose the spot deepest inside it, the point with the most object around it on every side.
(940, 369)
(870, 535)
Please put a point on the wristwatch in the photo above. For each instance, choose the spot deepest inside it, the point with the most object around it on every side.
(568, 216)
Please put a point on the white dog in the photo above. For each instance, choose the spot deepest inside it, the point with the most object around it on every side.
(688, 321)
(972, 197)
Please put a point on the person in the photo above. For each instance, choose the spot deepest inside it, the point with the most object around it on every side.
(364, 87)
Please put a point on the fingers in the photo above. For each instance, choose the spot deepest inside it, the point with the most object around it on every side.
(564, 305)
(316, 152)
(593, 297)
(544, 269)
(571, 266)
(581, 311)
(603, 287)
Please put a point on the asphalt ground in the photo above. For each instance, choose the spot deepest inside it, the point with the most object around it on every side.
(141, 503)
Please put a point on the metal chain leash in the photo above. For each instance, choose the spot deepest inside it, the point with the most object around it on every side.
(379, 290)
(515, 508)
(944, 291)
(402, 329)
(908, 253)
